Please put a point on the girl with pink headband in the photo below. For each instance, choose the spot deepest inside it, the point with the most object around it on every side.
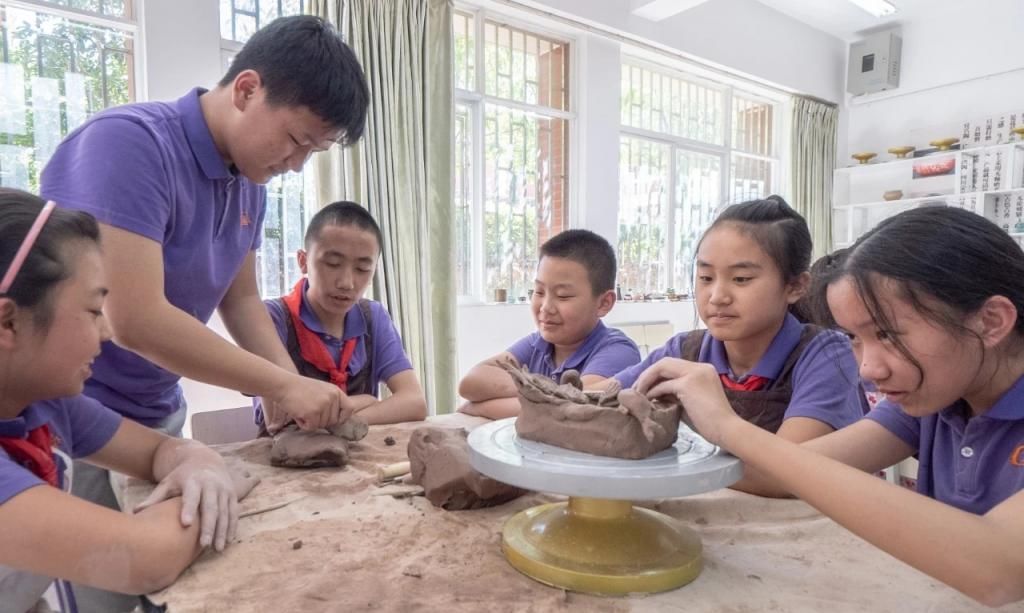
(52, 289)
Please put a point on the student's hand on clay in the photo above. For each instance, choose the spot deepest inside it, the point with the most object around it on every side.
(698, 389)
(205, 485)
(313, 404)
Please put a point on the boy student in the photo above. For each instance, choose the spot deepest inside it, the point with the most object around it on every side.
(574, 289)
(335, 335)
(177, 189)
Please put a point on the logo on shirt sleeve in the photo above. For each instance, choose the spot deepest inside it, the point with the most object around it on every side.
(1017, 457)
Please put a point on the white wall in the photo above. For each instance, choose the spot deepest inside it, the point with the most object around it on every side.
(182, 44)
(959, 64)
(742, 35)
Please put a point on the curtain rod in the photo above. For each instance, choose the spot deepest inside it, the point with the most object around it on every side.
(636, 41)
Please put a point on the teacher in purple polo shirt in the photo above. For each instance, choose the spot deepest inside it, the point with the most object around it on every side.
(178, 190)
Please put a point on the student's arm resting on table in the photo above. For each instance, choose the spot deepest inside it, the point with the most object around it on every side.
(969, 552)
(406, 402)
(50, 532)
(487, 381)
(144, 321)
(180, 468)
(496, 408)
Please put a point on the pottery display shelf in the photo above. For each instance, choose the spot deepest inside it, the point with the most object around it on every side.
(980, 179)
(598, 542)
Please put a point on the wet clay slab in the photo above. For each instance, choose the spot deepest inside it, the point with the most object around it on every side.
(618, 423)
(294, 448)
(439, 460)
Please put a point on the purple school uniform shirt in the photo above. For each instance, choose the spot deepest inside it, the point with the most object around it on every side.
(825, 376)
(972, 464)
(153, 169)
(604, 352)
(389, 357)
(81, 426)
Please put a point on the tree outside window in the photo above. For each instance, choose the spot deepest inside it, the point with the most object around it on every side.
(512, 123)
(687, 147)
(57, 68)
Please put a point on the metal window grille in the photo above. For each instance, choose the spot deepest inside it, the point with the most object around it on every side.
(60, 62)
(687, 147)
(512, 127)
(240, 19)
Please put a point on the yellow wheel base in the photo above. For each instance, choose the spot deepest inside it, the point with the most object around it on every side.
(602, 547)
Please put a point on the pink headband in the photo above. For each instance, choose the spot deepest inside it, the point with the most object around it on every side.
(26, 246)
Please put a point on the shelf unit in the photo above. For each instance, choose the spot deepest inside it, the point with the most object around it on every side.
(986, 180)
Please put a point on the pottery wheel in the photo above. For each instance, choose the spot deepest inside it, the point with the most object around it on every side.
(598, 542)
(691, 466)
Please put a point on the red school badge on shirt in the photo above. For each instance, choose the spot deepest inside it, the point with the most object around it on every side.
(1017, 457)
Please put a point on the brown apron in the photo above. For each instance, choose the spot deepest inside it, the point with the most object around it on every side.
(765, 407)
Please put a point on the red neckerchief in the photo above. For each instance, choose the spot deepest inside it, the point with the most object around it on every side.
(312, 347)
(34, 452)
(752, 383)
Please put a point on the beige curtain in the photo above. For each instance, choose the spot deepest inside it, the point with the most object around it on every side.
(402, 171)
(813, 159)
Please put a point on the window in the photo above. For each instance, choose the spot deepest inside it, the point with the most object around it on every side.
(239, 19)
(60, 62)
(684, 144)
(291, 198)
(512, 123)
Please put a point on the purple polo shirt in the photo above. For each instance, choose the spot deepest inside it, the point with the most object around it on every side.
(81, 427)
(389, 357)
(825, 376)
(972, 464)
(153, 169)
(604, 352)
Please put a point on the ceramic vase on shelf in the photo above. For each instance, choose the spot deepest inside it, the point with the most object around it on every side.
(943, 144)
(901, 153)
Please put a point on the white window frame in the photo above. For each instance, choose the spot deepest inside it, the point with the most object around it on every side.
(631, 57)
(476, 100)
(128, 26)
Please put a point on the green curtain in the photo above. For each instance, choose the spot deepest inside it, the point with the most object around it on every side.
(402, 171)
(813, 159)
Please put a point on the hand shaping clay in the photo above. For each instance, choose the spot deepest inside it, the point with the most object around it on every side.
(296, 448)
(439, 459)
(620, 423)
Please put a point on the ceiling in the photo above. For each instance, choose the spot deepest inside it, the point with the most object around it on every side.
(840, 18)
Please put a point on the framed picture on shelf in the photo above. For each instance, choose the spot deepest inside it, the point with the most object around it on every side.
(925, 169)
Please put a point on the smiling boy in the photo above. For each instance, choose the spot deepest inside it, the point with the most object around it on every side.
(573, 290)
